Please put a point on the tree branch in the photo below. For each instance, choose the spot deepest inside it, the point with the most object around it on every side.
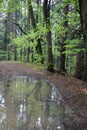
(20, 28)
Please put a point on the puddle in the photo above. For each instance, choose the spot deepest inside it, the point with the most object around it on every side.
(30, 104)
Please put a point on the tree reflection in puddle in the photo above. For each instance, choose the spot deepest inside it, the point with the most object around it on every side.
(30, 104)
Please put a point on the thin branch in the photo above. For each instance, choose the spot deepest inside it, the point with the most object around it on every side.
(20, 28)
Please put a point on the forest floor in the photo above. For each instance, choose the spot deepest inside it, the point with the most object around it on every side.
(73, 91)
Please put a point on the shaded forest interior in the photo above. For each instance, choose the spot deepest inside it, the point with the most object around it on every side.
(51, 33)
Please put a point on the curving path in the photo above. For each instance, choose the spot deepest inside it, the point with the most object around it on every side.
(73, 91)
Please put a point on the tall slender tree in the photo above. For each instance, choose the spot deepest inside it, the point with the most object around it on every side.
(46, 11)
(34, 22)
(63, 39)
(83, 16)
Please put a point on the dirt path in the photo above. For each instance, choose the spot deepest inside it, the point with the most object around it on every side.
(73, 91)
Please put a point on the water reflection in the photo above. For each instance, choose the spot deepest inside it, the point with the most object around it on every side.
(29, 104)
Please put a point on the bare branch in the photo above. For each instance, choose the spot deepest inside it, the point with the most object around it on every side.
(17, 24)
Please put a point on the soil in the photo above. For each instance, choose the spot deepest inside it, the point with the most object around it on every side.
(73, 91)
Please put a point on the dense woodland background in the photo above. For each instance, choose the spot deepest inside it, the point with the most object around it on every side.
(50, 33)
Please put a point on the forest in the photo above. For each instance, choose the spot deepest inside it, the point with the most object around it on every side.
(43, 64)
(49, 33)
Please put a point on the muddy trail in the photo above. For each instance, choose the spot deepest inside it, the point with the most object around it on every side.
(73, 91)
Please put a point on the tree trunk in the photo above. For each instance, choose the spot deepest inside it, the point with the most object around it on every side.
(46, 11)
(15, 35)
(15, 52)
(8, 36)
(63, 48)
(79, 63)
(83, 15)
(21, 53)
(27, 51)
(8, 53)
(31, 13)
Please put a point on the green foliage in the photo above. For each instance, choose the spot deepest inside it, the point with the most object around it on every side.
(55, 51)
(2, 55)
(71, 64)
(18, 11)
